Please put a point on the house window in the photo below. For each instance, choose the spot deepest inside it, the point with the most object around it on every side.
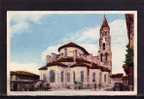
(94, 77)
(74, 76)
(68, 77)
(62, 76)
(52, 76)
(82, 76)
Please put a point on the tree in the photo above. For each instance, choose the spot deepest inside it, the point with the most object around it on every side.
(129, 56)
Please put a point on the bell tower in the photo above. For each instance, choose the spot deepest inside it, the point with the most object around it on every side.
(105, 44)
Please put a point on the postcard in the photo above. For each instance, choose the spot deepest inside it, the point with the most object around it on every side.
(71, 53)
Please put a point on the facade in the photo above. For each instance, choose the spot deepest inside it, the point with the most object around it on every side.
(130, 31)
(116, 78)
(74, 67)
(22, 81)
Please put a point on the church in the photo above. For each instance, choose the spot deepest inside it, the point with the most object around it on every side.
(74, 65)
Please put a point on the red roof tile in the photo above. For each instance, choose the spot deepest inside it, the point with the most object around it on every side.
(52, 64)
(118, 75)
(24, 73)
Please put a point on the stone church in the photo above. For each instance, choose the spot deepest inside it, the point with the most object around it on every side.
(73, 65)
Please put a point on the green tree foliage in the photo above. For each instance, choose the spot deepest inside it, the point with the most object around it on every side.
(129, 56)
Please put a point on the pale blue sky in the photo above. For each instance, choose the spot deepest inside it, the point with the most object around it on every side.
(33, 35)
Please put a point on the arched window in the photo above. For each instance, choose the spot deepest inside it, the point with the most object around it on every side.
(106, 56)
(68, 77)
(103, 46)
(62, 76)
(94, 77)
(105, 78)
(101, 57)
(82, 76)
(74, 76)
(52, 76)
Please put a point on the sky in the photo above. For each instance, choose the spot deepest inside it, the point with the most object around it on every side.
(34, 35)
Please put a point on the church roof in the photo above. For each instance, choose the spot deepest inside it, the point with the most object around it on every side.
(105, 23)
(71, 44)
(81, 64)
(78, 62)
(118, 75)
(24, 73)
(71, 59)
(105, 69)
(52, 64)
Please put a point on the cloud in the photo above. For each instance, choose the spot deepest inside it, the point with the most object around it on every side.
(29, 67)
(119, 40)
(49, 50)
(22, 20)
(118, 57)
(89, 38)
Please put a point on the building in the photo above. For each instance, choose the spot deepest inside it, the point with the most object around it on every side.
(74, 67)
(119, 82)
(117, 78)
(22, 81)
(129, 70)
(130, 29)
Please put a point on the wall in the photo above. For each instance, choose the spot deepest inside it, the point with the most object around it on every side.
(70, 51)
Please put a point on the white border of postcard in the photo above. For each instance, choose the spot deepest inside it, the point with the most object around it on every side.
(73, 93)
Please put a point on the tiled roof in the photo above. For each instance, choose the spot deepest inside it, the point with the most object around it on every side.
(118, 75)
(71, 44)
(24, 73)
(71, 59)
(52, 64)
(79, 62)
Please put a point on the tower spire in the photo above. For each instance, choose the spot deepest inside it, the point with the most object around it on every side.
(105, 43)
(105, 23)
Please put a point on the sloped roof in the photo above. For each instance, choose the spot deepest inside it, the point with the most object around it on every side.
(81, 64)
(71, 59)
(118, 75)
(71, 44)
(52, 64)
(23, 73)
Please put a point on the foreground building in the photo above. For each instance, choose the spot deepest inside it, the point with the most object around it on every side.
(74, 67)
(129, 68)
(22, 80)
